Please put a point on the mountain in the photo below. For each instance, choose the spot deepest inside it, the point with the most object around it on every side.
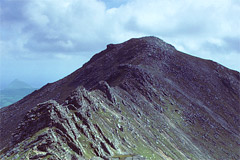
(15, 91)
(17, 84)
(141, 99)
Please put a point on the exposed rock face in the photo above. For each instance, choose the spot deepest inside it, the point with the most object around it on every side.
(141, 98)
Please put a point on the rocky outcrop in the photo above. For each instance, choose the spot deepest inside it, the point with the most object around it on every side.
(68, 131)
(141, 99)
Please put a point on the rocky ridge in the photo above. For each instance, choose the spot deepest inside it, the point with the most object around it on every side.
(140, 97)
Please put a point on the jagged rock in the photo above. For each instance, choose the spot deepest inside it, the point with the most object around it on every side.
(105, 88)
(141, 99)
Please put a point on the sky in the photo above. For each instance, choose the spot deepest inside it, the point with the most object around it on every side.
(42, 41)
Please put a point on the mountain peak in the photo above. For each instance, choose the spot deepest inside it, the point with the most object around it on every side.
(109, 63)
(146, 44)
(135, 47)
(152, 41)
(18, 84)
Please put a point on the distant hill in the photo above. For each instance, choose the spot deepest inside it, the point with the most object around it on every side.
(17, 84)
(15, 91)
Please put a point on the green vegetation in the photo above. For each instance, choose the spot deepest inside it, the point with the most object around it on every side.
(122, 157)
(88, 150)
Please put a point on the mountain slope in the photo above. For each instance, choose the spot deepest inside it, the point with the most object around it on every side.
(140, 97)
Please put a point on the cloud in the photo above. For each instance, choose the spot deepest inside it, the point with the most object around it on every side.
(7, 8)
(77, 25)
(225, 45)
(233, 44)
(53, 26)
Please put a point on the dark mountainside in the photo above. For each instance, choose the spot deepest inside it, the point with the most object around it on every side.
(141, 99)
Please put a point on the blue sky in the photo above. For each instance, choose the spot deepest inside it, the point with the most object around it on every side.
(42, 41)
